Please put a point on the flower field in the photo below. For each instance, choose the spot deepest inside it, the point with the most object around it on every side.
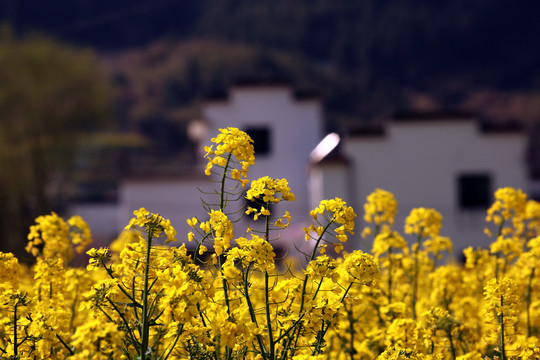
(231, 298)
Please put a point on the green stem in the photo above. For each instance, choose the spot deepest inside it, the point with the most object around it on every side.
(304, 285)
(528, 301)
(74, 308)
(222, 190)
(252, 311)
(271, 343)
(452, 348)
(173, 345)
(225, 286)
(318, 288)
(501, 340)
(352, 350)
(390, 275)
(377, 230)
(15, 330)
(289, 329)
(416, 273)
(324, 330)
(130, 333)
(268, 317)
(65, 344)
(111, 275)
(313, 253)
(145, 325)
(221, 208)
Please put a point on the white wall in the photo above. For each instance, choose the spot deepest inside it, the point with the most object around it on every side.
(420, 161)
(102, 220)
(295, 126)
(176, 199)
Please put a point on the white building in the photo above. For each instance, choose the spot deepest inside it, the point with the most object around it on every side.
(285, 127)
(447, 162)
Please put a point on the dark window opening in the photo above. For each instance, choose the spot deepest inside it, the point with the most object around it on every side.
(261, 140)
(474, 191)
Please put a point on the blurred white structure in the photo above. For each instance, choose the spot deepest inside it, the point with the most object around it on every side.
(285, 126)
(447, 162)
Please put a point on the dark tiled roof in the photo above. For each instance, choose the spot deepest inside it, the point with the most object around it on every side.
(306, 94)
(253, 81)
(335, 157)
(407, 116)
(216, 95)
(485, 126)
(368, 131)
(496, 128)
(300, 94)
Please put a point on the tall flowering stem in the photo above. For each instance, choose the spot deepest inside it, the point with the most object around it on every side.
(271, 342)
(233, 144)
(153, 225)
(338, 214)
(501, 301)
(387, 243)
(422, 222)
(507, 213)
(380, 210)
(530, 261)
(264, 193)
(145, 325)
(150, 302)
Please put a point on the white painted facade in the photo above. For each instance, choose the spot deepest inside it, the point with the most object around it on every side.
(420, 162)
(176, 199)
(101, 218)
(295, 128)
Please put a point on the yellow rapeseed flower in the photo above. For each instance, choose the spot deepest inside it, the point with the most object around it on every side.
(380, 209)
(423, 222)
(153, 223)
(234, 142)
(221, 228)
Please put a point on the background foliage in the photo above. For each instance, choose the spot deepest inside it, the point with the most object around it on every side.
(49, 96)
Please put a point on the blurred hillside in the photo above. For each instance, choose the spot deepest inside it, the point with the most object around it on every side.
(51, 96)
(167, 79)
(158, 59)
(377, 56)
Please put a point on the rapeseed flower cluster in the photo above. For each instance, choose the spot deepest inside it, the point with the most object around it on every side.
(52, 236)
(269, 190)
(232, 144)
(140, 299)
(265, 192)
(220, 228)
(153, 223)
(380, 209)
(423, 222)
(338, 220)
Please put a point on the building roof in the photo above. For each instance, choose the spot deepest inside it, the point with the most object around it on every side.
(512, 126)
(298, 93)
(429, 116)
(378, 130)
(335, 157)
